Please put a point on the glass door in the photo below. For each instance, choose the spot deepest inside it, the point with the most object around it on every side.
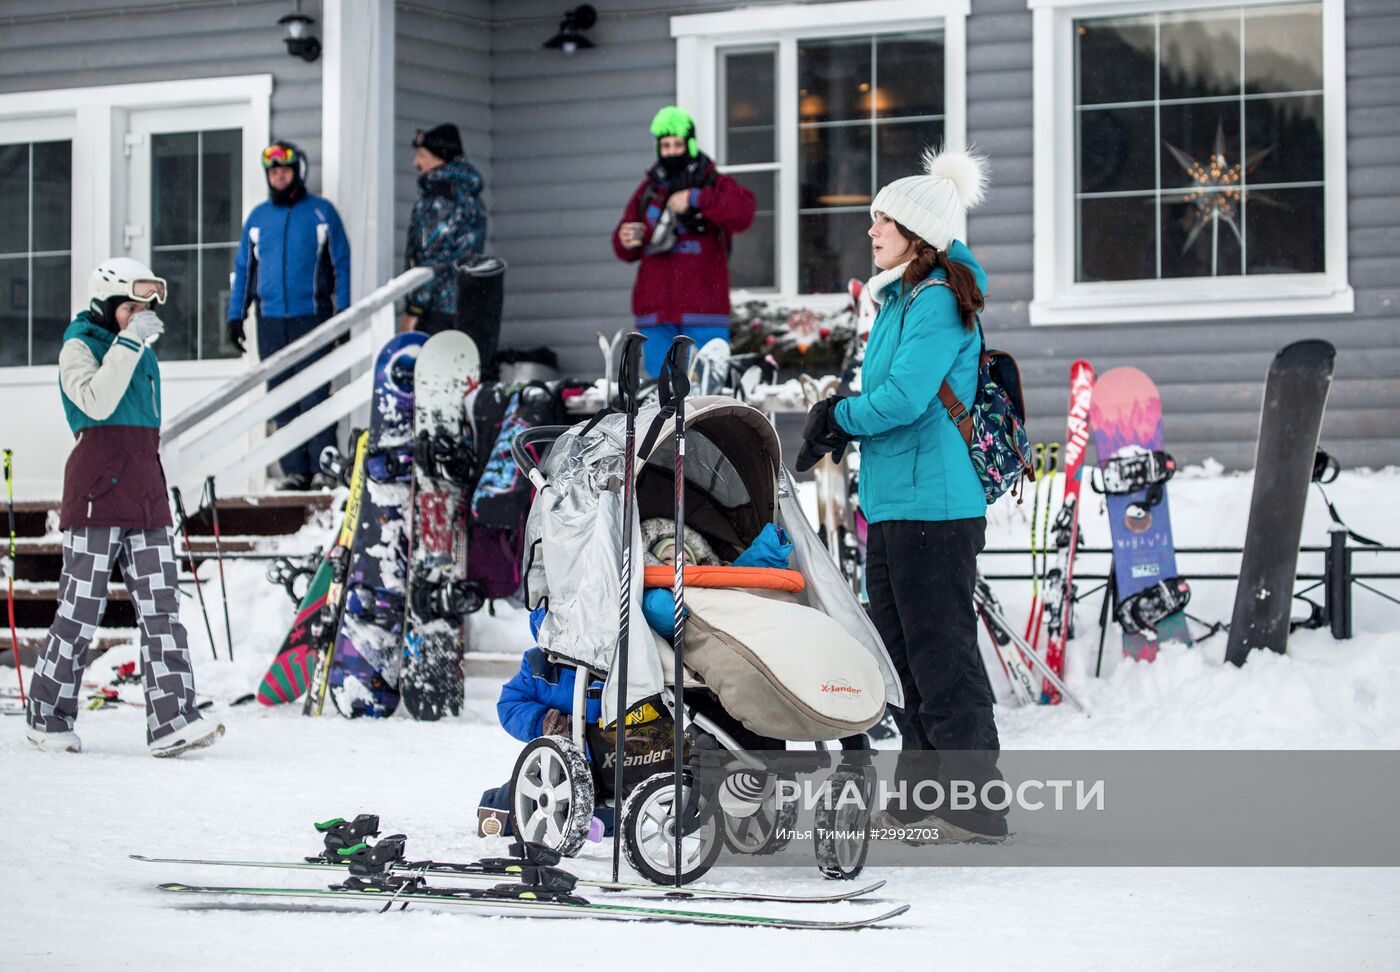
(185, 210)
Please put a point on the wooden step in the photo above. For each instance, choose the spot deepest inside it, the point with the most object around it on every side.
(31, 642)
(258, 514)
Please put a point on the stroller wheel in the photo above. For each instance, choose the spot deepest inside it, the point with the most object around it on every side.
(551, 795)
(649, 832)
(841, 826)
(756, 820)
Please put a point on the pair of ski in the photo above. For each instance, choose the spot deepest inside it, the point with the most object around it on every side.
(529, 883)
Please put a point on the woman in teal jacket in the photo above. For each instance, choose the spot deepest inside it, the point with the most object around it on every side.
(918, 489)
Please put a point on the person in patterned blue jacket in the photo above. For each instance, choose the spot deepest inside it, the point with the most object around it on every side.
(293, 265)
(448, 224)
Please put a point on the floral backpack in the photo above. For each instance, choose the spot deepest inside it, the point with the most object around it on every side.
(994, 428)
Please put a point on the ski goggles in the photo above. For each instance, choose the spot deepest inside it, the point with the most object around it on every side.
(147, 289)
(278, 155)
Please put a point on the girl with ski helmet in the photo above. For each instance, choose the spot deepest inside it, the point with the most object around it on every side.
(918, 488)
(115, 514)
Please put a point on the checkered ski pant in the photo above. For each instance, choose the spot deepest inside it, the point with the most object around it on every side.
(147, 560)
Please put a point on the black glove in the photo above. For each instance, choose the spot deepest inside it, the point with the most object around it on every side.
(822, 435)
(236, 335)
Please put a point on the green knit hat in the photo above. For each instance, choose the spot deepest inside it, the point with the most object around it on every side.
(675, 121)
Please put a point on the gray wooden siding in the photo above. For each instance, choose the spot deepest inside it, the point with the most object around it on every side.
(442, 73)
(571, 144)
(46, 44)
(1210, 373)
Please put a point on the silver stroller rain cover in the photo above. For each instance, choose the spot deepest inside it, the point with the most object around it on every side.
(735, 484)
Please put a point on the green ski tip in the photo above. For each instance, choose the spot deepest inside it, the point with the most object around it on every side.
(330, 823)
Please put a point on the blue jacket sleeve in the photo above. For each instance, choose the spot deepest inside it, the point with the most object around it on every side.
(239, 297)
(519, 708)
(659, 608)
(771, 548)
(340, 260)
(933, 333)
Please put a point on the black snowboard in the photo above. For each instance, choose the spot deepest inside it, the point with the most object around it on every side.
(1289, 425)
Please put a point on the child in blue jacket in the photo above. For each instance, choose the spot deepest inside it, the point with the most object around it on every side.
(538, 701)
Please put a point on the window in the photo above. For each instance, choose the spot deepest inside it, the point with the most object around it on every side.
(36, 192)
(195, 228)
(1191, 175)
(815, 109)
(158, 171)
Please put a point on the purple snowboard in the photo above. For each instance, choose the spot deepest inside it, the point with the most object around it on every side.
(364, 673)
(1127, 418)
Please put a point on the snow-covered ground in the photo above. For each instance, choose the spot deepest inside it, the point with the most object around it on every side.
(73, 900)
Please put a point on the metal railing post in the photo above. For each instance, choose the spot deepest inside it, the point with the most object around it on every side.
(1337, 590)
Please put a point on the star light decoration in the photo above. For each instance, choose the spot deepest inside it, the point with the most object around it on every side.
(1217, 192)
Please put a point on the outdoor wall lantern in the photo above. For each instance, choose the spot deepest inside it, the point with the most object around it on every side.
(299, 40)
(570, 36)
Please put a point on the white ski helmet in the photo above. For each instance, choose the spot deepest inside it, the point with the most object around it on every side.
(125, 277)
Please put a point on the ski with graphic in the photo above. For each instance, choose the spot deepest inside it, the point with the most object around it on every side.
(508, 901)
(1059, 583)
(1013, 662)
(1290, 422)
(439, 595)
(496, 870)
(1126, 414)
(317, 615)
(364, 673)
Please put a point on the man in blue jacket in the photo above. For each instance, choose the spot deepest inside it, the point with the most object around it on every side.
(294, 264)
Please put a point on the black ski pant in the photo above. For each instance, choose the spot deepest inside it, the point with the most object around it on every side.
(920, 575)
(274, 334)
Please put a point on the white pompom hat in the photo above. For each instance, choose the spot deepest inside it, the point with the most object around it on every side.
(933, 204)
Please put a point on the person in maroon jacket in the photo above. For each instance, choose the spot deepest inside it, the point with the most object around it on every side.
(679, 224)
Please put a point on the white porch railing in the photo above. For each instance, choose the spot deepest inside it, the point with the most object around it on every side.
(210, 438)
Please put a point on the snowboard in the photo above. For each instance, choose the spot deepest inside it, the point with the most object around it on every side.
(1126, 414)
(448, 369)
(313, 628)
(364, 672)
(1295, 396)
(1059, 582)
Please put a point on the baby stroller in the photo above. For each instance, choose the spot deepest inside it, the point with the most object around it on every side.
(769, 660)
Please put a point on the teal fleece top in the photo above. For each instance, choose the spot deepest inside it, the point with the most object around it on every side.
(914, 464)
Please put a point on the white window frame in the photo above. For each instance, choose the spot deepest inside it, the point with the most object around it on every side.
(1059, 299)
(96, 119)
(700, 37)
(28, 133)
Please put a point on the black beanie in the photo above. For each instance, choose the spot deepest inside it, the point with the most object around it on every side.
(444, 141)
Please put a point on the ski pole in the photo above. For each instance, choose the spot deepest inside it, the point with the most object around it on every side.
(627, 381)
(1052, 465)
(219, 556)
(1108, 591)
(194, 569)
(1035, 659)
(1038, 468)
(675, 385)
(10, 570)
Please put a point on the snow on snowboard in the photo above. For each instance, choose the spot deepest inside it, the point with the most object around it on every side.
(1126, 413)
(1290, 422)
(439, 597)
